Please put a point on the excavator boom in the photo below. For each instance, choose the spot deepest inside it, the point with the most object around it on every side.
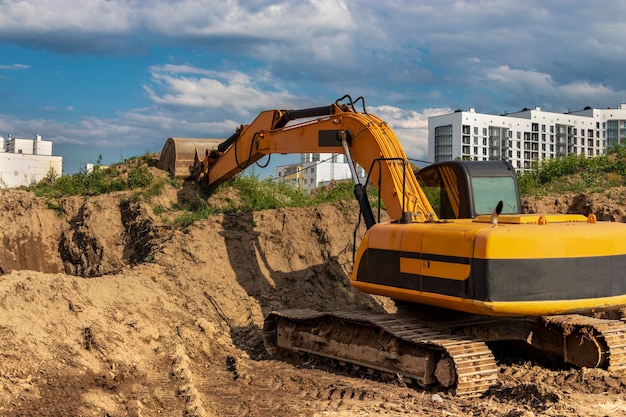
(372, 145)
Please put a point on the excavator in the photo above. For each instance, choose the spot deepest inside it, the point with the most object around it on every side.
(465, 266)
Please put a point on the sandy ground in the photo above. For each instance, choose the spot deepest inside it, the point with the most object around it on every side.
(109, 310)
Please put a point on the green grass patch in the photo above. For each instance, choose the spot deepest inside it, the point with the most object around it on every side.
(576, 173)
(131, 174)
(200, 212)
(263, 194)
(250, 193)
(255, 194)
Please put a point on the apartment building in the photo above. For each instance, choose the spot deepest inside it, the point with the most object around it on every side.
(526, 136)
(24, 162)
(317, 169)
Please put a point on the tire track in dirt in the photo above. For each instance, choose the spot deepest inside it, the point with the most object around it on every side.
(187, 391)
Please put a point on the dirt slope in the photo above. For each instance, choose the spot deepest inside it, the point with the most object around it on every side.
(109, 310)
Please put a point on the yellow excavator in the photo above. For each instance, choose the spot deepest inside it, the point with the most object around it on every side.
(458, 251)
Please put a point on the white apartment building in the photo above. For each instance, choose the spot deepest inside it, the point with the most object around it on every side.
(317, 169)
(24, 162)
(526, 136)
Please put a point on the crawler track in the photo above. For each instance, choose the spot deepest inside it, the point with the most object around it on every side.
(398, 345)
(608, 335)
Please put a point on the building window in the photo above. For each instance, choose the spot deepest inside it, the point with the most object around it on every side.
(443, 143)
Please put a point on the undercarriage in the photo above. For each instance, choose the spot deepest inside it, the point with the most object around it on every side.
(451, 353)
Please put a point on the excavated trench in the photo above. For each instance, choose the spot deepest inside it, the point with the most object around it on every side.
(181, 332)
(95, 236)
(89, 238)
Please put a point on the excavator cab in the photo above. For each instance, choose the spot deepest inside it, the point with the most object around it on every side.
(467, 189)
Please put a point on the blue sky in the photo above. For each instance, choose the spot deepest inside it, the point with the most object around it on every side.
(117, 78)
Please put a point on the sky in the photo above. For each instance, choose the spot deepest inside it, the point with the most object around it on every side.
(114, 79)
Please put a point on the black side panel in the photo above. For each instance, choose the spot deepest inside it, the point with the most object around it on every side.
(382, 267)
(379, 266)
(549, 279)
(505, 280)
(328, 138)
(452, 287)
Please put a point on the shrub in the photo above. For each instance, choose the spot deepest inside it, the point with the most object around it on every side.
(576, 173)
(139, 177)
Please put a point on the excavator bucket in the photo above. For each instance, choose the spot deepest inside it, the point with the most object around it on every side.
(180, 154)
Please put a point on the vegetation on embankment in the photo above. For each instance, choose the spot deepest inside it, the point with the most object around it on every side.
(138, 177)
(131, 174)
(576, 174)
(245, 193)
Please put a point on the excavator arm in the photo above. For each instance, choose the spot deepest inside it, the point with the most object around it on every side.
(338, 128)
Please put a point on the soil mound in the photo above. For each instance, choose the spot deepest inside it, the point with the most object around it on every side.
(108, 309)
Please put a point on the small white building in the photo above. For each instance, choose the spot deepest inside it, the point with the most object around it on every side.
(525, 137)
(317, 169)
(24, 162)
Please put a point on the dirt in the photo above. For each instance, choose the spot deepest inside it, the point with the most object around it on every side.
(109, 309)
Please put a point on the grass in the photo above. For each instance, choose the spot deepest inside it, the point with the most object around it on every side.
(572, 173)
(255, 194)
(134, 174)
(99, 180)
(262, 194)
(189, 216)
(576, 173)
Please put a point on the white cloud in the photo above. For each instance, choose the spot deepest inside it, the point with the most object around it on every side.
(217, 93)
(262, 29)
(232, 59)
(132, 129)
(411, 127)
(14, 67)
(46, 16)
(341, 44)
(547, 91)
(277, 20)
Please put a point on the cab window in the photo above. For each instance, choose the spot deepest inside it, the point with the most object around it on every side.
(488, 191)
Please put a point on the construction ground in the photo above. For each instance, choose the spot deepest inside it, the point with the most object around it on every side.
(108, 309)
